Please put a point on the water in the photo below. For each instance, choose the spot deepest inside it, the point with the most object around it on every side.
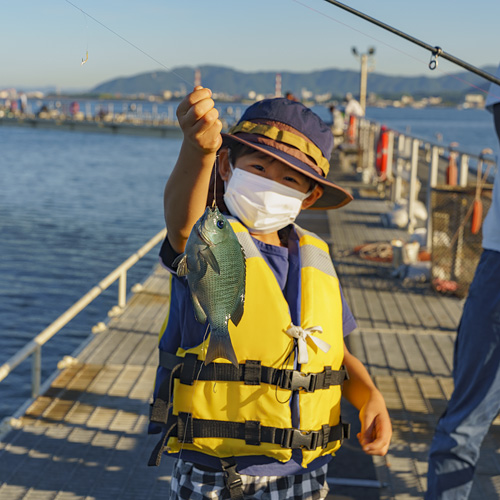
(73, 206)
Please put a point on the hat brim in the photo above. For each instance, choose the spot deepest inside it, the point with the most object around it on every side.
(333, 196)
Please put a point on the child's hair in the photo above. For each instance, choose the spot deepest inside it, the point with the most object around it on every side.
(238, 150)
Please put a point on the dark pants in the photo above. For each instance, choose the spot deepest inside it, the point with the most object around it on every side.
(475, 401)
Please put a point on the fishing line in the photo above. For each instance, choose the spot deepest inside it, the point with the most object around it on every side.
(215, 170)
(130, 43)
(87, 37)
(429, 47)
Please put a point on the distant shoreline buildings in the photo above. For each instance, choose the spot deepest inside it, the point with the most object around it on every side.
(13, 101)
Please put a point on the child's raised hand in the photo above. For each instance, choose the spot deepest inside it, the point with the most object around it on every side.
(199, 121)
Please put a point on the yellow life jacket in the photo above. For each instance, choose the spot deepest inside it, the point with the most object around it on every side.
(223, 411)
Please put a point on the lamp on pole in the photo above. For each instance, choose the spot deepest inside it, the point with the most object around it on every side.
(364, 73)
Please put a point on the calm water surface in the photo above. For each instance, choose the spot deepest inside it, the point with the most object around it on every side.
(73, 206)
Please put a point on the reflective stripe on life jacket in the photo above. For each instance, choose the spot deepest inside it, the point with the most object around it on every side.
(247, 411)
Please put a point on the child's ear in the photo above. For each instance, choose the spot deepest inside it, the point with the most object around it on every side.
(224, 167)
(317, 193)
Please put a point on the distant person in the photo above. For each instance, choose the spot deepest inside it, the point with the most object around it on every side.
(290, 97)
(338, 124)
(74, 108)
(475, 401)
(101, 114)
(23, 102)
(353, 107)
(42, 111)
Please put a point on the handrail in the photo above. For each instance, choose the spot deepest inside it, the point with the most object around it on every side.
(403, 163)
(34, 346)
(451, 147)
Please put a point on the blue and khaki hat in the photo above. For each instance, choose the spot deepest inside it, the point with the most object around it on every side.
(292, 133)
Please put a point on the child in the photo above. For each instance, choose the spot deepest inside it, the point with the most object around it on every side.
(269, 428)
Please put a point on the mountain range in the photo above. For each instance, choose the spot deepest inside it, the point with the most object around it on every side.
(225, 80)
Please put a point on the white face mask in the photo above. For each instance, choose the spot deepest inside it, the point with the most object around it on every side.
(261, 204)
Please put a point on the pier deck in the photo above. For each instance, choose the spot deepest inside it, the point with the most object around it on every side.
(85, 438)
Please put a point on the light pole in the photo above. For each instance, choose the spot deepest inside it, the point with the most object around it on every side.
(364, 73)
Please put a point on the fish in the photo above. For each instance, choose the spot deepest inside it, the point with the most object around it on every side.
(215, 266)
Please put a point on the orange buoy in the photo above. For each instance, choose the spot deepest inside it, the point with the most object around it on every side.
(477, 216)
(382, 151)
(351, 130)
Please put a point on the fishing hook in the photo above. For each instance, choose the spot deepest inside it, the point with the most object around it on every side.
(433, 64)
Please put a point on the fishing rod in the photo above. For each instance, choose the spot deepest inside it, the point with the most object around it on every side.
(436, 51)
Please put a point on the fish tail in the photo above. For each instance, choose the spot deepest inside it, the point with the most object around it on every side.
(220, 346)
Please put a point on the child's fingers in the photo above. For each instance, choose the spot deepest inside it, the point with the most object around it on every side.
(203, 111)
(375, 440)
(208, 129)
(199, 93)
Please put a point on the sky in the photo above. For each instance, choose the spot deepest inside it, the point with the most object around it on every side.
(44, 41)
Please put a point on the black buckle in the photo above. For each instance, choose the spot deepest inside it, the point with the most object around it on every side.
(302, 381)
(295, 438)
(233, 479)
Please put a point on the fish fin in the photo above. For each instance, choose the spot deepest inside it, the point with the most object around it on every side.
(238, 310)
(207, 255)
(198, 310)
(220, 346)
(181, 263)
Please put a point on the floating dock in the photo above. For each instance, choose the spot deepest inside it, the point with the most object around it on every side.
(85, 437)
(149, 128)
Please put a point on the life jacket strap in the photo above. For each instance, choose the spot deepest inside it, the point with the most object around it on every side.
(251, 373)
(186, 428)
(158, 411)
(253, 433)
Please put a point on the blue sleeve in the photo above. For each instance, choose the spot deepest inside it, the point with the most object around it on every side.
(348, 321)
(168, 255)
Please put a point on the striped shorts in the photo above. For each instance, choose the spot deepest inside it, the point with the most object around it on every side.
(191, 483)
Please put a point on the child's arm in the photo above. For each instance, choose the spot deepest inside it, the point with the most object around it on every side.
(359, 390)
(186, 191)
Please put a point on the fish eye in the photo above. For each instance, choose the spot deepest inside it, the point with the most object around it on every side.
(220, 224)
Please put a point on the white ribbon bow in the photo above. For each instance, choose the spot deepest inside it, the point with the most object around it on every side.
(301, 334)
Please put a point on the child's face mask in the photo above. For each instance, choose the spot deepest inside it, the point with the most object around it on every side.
(261, 204)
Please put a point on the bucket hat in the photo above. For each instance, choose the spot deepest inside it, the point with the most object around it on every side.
(292, 133)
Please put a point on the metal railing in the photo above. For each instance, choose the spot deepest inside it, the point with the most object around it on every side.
(404, 159)
(34, 347)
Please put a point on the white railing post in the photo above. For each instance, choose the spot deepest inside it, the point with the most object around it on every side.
(397, 186)
(122, 289)
(413, 188)
(464, 170)
(432, 182)
(390, 155)
(371, 147)
(36, 371)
